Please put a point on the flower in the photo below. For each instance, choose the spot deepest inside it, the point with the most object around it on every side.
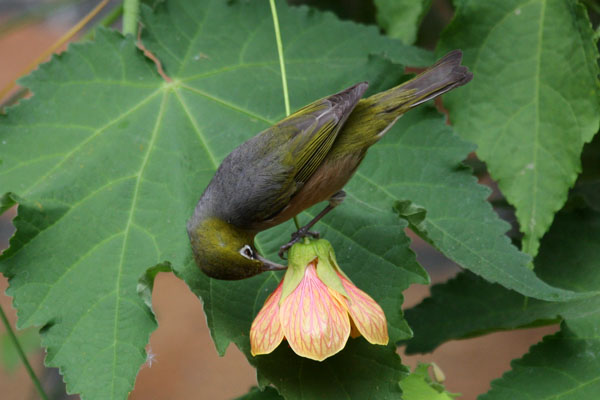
(316, 307)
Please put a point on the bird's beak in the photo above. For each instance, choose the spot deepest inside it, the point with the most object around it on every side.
(269, 265)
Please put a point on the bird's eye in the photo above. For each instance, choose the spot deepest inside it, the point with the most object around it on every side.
(247, 252)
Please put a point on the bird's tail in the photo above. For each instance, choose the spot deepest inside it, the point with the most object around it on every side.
(443, 76)
(377, 113)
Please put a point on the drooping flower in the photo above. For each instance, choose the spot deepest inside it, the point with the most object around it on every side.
(316, 307)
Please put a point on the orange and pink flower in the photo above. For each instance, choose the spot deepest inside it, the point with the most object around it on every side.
(316, 307)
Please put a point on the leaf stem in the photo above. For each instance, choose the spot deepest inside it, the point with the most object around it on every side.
(131, 10)
(22, 355)
(286, 96)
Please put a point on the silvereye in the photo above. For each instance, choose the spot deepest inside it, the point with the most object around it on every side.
(302, 160)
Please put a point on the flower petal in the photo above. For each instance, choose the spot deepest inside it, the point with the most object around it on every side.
(367, 315)
(266, 332)
(314, 319)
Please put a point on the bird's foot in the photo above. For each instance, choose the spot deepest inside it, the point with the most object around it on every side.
(296, 237)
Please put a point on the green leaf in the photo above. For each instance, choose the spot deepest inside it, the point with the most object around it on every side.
(563, 366)
(360, 371)
(401, 18)
(6, 201)
(468, 306)
(442, 201)
(533, 102)
(419, 386)
(85, 153)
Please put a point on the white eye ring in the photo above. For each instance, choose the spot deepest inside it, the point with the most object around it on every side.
(247, 252)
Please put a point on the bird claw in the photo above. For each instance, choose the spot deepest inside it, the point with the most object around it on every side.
(285, 248)
(296, 237)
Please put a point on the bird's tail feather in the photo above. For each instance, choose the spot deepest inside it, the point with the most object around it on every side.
(375, 115)
(443, 76)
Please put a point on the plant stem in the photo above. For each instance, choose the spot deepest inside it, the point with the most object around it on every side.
(131, 10)
(22, 355)
(286, 96)
(112, 16)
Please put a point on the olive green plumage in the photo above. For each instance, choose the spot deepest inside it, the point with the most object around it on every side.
(304, 159)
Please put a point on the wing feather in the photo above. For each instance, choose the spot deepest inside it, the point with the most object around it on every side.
(311, 146)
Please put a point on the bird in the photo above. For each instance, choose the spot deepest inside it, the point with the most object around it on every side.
(304, 159)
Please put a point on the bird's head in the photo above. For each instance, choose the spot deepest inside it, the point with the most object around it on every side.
(223, 251)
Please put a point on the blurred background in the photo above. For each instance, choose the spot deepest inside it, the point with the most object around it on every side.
(183, 362)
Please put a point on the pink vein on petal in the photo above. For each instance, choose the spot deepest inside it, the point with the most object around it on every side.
(315, 322)
(266, 333)
(367, 315)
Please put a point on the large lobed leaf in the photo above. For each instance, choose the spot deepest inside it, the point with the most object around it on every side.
(107, 161)
(533, 102)
(84, 154)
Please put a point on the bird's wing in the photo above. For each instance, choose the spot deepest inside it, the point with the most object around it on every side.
(258, 179)
(315, 128)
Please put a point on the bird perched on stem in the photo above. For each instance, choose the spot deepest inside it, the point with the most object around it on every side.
(302, 160)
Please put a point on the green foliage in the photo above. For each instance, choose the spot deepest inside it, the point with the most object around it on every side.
(108, 159)
(401, 18)
(562, 363)
(443, 203)
(562, 366)
(534, 101)
(419, 386)
(416, 386)
(83, 164)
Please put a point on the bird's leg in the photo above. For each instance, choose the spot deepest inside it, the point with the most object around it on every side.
(305, 231)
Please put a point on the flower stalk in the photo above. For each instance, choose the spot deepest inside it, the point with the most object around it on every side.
(22, 356)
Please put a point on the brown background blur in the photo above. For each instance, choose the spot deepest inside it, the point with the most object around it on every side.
(186, 364)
